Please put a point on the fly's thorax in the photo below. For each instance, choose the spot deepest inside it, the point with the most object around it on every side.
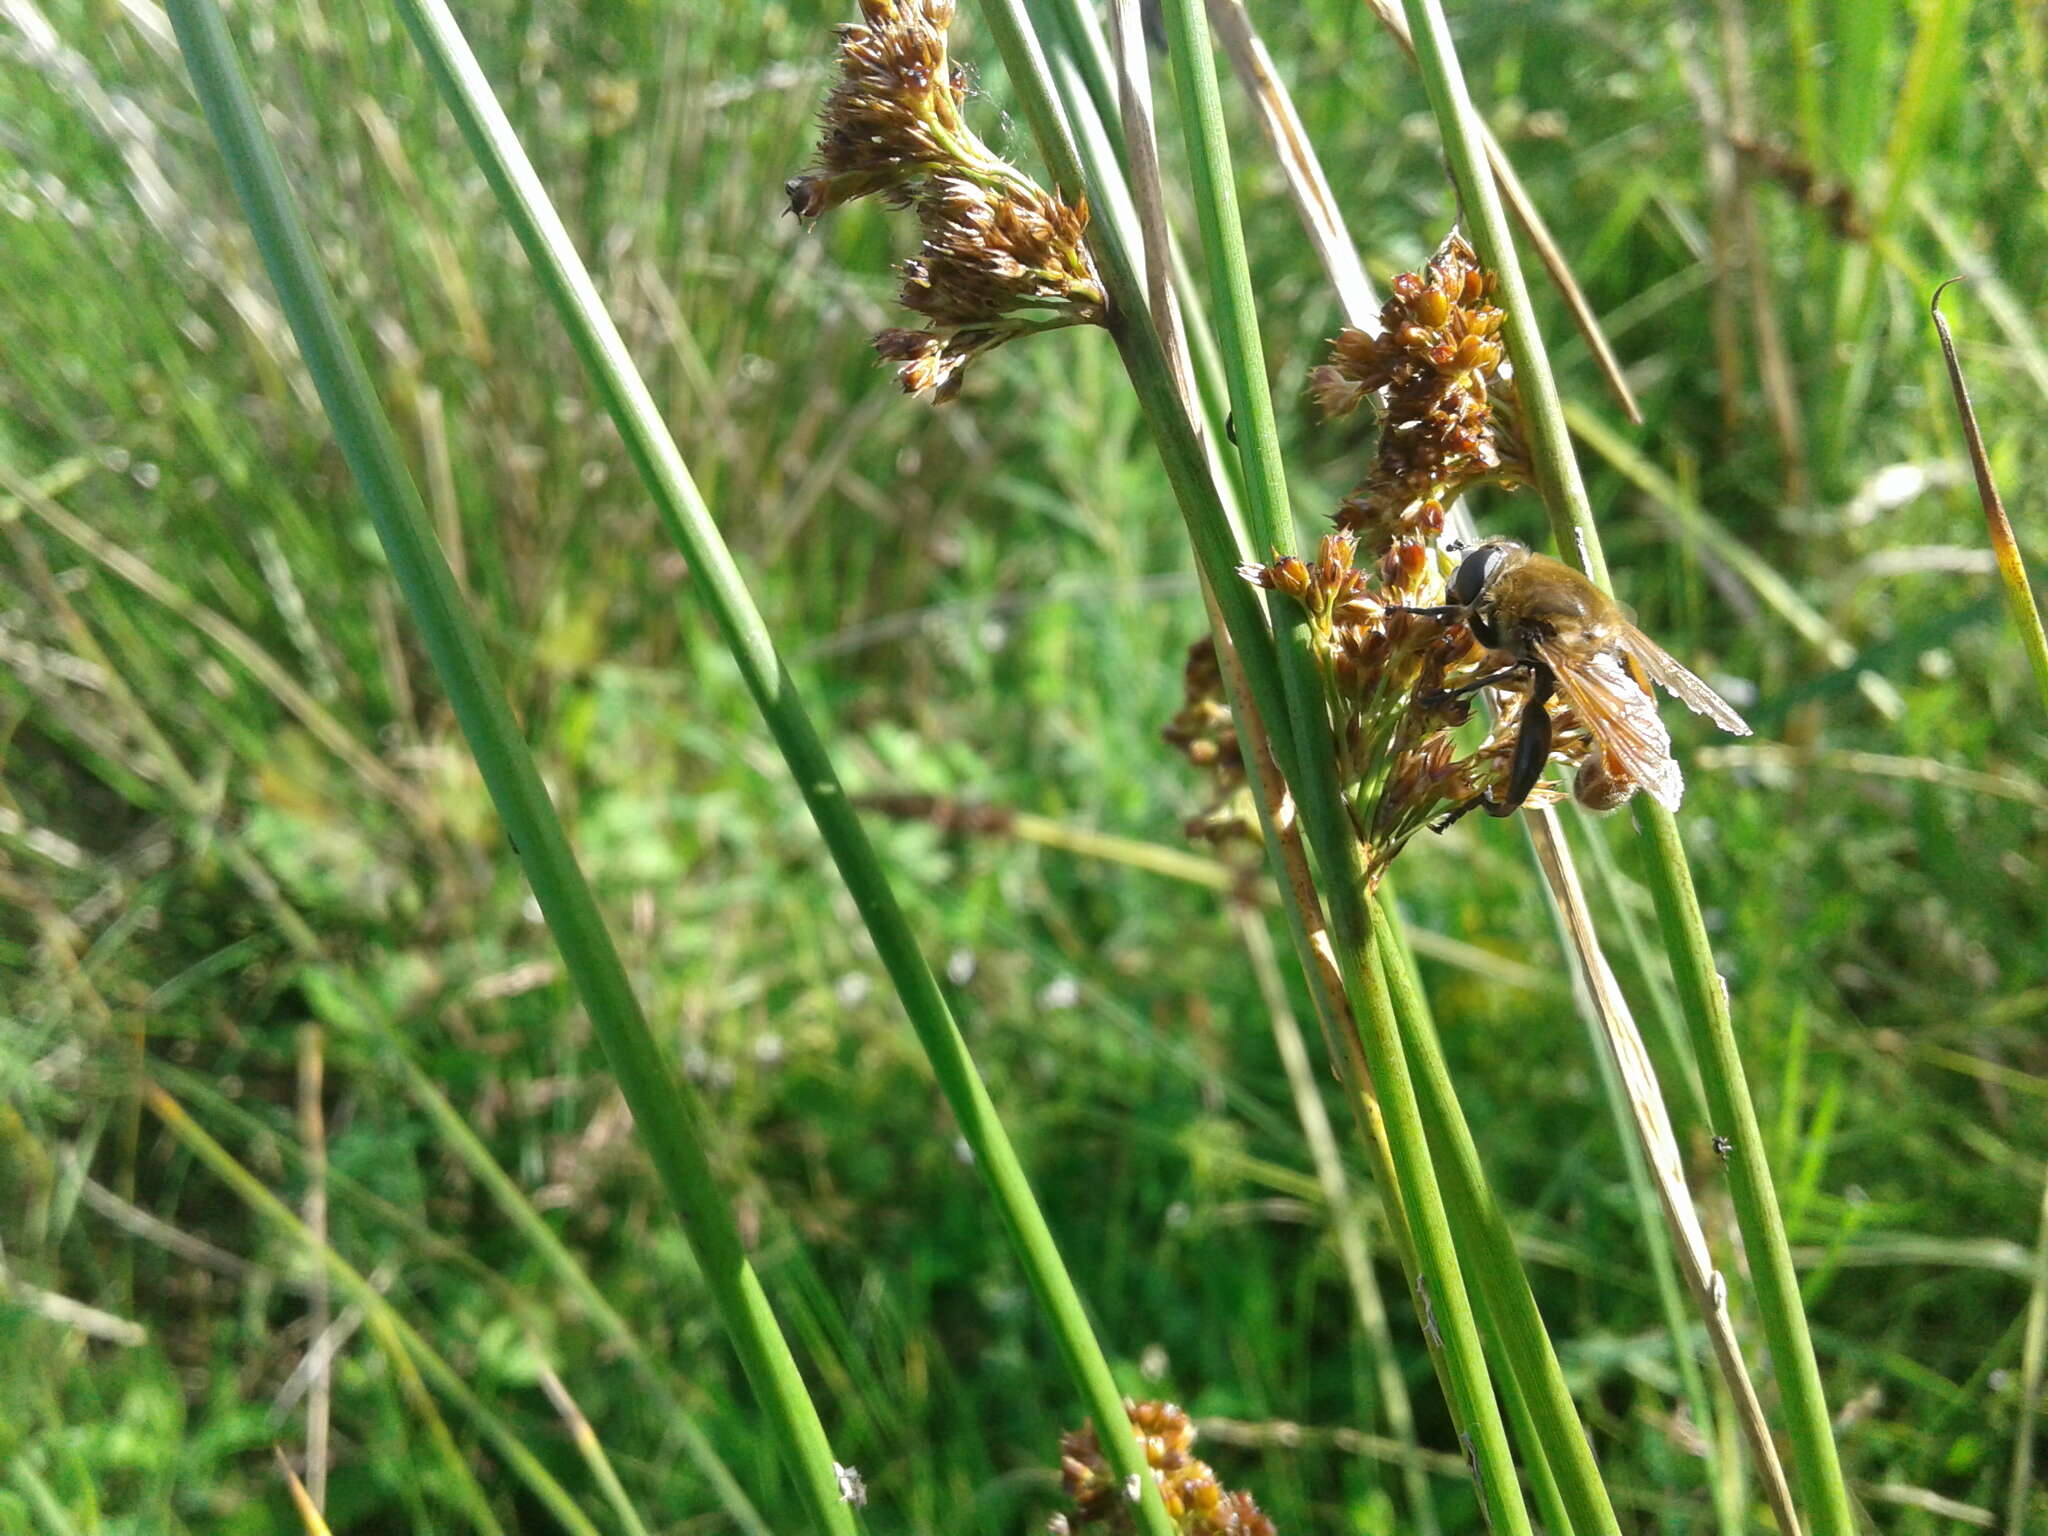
(1538, 599)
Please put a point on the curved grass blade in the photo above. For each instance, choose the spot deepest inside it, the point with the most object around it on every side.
(567, 284)
(1702, 994)
(2012, 570)
(666, 1113)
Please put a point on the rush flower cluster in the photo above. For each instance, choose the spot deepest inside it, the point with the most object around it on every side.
(1204, 733)
(1000, 257)
(1391, 679)
(1198, 1504)
(1441, 366)
(1398, 683)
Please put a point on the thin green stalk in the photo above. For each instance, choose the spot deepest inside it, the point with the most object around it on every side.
(2033, 1365)
(1347, 1223)
(359, 1290)
(2012, 570)
(567, 284)
(1181, 451)
(1377, 1043)
(665, 1111)
(1316, 787)
(1445, 1305)
(1488, 1248)
(1702, 994)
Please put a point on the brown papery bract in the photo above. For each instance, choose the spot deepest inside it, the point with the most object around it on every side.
(1000, 257)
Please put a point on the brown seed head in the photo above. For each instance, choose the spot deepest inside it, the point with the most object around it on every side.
(1195, 1501)
(1000, 257)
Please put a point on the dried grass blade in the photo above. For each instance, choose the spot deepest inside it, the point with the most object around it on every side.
(1660, 1148)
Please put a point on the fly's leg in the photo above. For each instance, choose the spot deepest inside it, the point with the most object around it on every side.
(1532, 746)
(1456, 814)
(1445, 695)
(1446, 614)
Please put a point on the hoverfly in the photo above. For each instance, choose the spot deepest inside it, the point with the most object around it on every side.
(1573, 642)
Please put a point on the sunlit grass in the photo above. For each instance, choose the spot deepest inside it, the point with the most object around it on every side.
(992, 605)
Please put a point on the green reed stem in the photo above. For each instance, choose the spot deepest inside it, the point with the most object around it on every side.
(1443, 1299)
(2005, 546)
(1088, 166)
(666, 1113)
(526, 207)
(1441, 1295)
(1317, 790)
(1702, 995)
(1487, 1247)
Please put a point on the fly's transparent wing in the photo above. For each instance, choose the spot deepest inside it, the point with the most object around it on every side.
(1679, 683)
(1621, 718)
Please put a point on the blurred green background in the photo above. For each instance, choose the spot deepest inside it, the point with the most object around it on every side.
(213, 713)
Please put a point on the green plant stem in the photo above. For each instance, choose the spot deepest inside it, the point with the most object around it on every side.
(1317, 790)
(1446, 1307)
(2033, 1366)
(1487, 1247)
(666, 1113)
(1702, 995)
(1181, 451)
(1347, 1223)
(567, 284)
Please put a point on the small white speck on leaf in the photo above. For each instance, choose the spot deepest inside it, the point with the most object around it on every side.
(853, 1488)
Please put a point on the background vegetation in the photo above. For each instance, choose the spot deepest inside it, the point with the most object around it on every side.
(215, 718)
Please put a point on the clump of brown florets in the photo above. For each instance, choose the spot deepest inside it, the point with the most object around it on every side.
(1399, 685)
(1440, 363)
(1391, 679)
(1001, 257)
(1198, 1504)
(1205, 734)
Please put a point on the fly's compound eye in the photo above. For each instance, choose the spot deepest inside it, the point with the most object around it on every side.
(1473, 573)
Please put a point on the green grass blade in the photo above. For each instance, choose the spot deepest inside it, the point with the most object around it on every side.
(688, 521)
(1702, 994)
(363, 1294)
(2005, 545)
(666, 1113)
